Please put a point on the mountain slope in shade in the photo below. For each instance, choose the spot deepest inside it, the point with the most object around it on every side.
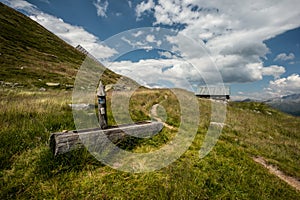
(31, 56)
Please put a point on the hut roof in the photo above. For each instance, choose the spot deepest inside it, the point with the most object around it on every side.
(213, 90)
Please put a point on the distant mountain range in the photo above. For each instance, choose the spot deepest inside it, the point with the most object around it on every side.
(289, 104)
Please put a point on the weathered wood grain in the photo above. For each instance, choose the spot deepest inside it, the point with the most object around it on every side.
(63, 142)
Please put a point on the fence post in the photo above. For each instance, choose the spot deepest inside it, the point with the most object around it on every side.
(102, 106)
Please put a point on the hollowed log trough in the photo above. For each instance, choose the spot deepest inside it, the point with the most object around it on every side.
(63, 142)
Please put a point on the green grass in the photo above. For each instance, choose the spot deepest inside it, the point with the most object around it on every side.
(28, 169)
(32, 56)
(266, 132)
(29, 50)
(27, 118)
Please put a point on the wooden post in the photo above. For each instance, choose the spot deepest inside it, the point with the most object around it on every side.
(102, 106)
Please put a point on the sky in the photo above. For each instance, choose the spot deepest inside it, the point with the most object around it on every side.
(251, 46)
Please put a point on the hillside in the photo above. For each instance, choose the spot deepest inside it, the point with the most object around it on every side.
(31, 56)
(253, 130)
(28, 170)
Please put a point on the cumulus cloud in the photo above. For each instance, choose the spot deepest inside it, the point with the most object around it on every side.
(101, 8)
(285, 86)
(73, 35)
(172, 69)
(248, 72)
(158, 72)
(144, 7)
(151, 39)
(165, 54)
(285, 57)
(273, 70)
(233, 31)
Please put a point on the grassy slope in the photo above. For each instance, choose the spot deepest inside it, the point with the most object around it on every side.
(32, 56)
(27, 118)
(28, 169)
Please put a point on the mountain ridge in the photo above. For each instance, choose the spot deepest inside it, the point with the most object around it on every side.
(289, 104)
(31, 55)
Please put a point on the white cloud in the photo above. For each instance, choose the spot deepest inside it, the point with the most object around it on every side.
(135, 44)
(21, 4)
(101, 8)
(150, 38)
(144, 7)
(234, 31)
(137, 34)
(166, 54)
(158, 72)
(285, 86)
(140, 39)
(241, 73)
(273, 70)
(73, 35)
(285, 57)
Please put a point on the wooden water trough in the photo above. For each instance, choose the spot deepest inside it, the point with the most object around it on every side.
(63, 142)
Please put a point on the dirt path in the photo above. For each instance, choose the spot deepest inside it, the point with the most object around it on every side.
(273, 170)
(154, 115)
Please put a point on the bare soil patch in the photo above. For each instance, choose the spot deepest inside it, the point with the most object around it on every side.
(273, 170)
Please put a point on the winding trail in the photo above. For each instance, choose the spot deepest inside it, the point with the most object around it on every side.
(273, 170)
(155, 116)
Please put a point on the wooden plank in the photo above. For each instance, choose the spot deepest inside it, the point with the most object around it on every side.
(64, 142)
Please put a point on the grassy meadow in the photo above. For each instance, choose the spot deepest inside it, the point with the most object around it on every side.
(28, 169)
(30, 111)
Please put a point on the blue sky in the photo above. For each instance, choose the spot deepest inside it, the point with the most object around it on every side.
(255, 45)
